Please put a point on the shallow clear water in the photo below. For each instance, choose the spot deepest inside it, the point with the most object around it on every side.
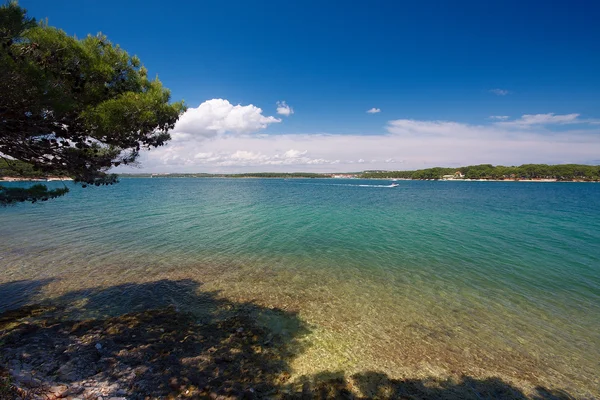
(427, 278)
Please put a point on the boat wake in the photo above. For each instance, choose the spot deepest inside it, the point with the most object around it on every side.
(378, 186)
(349, 184)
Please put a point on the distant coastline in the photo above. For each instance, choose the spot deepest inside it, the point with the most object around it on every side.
(19, 171)
(325, 176)
(250, 176)
(478, 173)
(21, 179)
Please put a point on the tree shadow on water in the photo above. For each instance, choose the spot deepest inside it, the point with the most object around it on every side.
(16, 294)
(376, 385)
(170, 339)
(159, 339)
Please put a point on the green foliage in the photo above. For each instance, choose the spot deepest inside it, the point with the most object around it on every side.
(80, 106)
(389, 174)
(32, 194)
(16, 168)
(7, 389)
(433, 173)
(563, 172)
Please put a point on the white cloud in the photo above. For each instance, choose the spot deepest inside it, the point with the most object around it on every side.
(410, 127)
(245, 158)
(407, 144)
(204, 156)
(218, 116)
(294, 153)
(499, 117)
(499, 92)
(284, 109)
(528, 120)
(374, 110)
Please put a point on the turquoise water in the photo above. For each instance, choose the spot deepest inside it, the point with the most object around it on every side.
(484, 278)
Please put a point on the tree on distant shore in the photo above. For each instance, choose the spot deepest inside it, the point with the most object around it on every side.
(74, 106)
(561, 172)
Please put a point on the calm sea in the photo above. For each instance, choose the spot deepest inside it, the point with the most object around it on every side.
(427, 278)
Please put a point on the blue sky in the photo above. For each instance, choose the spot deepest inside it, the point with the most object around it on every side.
(450, 63)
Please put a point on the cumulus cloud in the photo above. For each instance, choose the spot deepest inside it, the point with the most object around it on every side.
(499, 117)
(284, 109)
(219, 116)
(499, 92)
(374, 110)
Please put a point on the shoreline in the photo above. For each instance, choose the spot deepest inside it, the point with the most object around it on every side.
(274, 342)
(18, 179)
(357, 178)
(55, 179)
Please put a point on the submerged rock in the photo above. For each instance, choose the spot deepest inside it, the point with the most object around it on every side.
(149, 354)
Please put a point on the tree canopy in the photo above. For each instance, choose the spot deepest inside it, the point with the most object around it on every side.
(561, 172)
(79, 106)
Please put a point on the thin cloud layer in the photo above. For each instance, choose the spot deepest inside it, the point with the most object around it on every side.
(374, 110)
(284, 109)
(408, 144)
(244, 158)
(544, 119)
(220, 137)
(499, 92)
